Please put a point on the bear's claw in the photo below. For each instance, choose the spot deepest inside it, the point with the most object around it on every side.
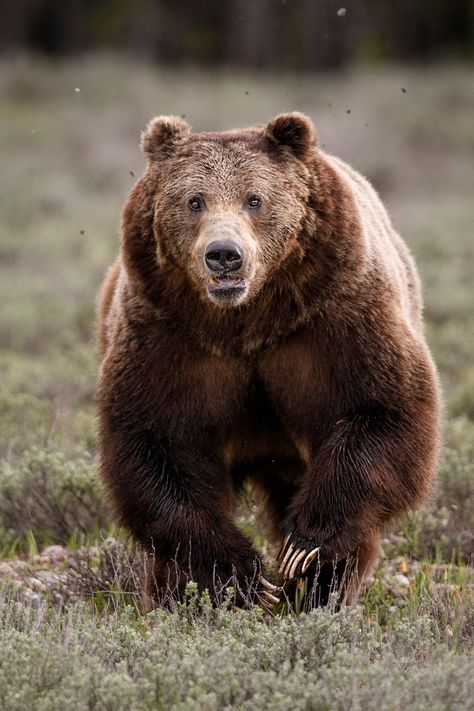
(285, 557)
(292, 564)
(309, 559)
(283, 546)
(269, 596)
(267, 584)
(291, 557)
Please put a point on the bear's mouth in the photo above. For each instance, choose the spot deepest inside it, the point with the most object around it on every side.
(226, 287)
(216, 283)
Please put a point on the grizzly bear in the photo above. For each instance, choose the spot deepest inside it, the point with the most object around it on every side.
(262, 325)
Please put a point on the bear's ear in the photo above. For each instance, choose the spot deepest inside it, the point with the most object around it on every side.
(162, 135)
(294, 131)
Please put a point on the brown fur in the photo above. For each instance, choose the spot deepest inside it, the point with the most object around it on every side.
(315, 383)
(106, 296)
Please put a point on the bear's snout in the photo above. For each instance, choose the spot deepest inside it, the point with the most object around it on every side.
(223, 256)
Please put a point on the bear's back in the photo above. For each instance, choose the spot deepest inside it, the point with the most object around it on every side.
(386, 250)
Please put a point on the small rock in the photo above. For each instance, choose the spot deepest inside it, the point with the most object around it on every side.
(341, 12)
(48, 578)
(402, 580)
(30, 598)
(20, 566)
(55, 552)
(35, 601)
(8, 571)
(36, 585)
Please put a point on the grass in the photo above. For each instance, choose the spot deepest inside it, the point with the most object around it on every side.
(71, 636)
(221, 660)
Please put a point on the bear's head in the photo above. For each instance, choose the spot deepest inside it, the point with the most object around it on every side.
(227, 208)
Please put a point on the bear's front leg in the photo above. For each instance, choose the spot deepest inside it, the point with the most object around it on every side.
(179, 505)
(373, 466)
(193, 541)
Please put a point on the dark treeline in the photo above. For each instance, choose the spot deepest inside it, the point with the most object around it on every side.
(288, 34)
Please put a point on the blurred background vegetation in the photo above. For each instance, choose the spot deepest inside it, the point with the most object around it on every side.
(265, 34)
(390, 87)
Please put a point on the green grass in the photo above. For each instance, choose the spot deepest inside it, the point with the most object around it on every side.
(216, 659)
(80, 643)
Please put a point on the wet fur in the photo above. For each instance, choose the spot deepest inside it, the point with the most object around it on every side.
(320, 389)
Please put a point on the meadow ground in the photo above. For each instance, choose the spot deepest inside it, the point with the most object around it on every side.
(70, 635)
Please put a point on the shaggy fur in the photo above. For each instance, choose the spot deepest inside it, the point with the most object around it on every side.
(315, 384)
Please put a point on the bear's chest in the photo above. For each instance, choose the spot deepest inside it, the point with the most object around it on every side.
(258, 442)
(251, 410)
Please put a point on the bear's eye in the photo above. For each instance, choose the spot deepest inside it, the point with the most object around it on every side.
(254, 201)
(195, 203)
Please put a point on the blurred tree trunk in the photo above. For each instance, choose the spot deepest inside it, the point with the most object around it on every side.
(249, 35)
(279, 34)
(324, 35)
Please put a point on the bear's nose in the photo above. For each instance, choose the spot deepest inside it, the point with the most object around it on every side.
(223, 256)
